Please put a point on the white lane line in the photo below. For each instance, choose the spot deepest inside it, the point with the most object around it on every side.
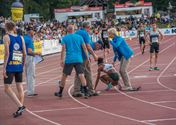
(147, 76)
(158, 79)
(75, 100)
(106, 112)
(140, 100)
(61, 109)
(149, 91)
(160, 120)
(69, 92)
(139, 77)
(42, 118)
(164, 102)
(148, 59)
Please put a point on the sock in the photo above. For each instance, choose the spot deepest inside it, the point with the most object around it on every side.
(61, 90)
(85, 89)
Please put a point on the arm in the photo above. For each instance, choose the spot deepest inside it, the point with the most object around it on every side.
(24, 50)
(6, 55)
(89, 48)
(115, 56)
(161, 36)
(97, 80)
(85, 51)
(63, 55)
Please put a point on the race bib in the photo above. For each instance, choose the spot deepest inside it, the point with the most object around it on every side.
(17, 56)
(142, 34)
(155, 40)
(105, 35)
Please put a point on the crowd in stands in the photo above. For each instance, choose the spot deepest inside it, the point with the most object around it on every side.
(56, 30)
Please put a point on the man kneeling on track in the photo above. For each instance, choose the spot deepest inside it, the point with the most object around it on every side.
(110, 77)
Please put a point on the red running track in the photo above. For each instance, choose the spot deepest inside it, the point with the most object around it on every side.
(155, 104)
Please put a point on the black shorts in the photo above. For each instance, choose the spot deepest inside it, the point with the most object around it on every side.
(18, 77)
(141, 40)
(79, 68)
(114, 76)
(154, 48)
(106, 44)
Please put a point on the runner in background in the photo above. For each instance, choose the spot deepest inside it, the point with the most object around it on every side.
(155, 37)
(104, 36)
(14, 60)
(142, 36)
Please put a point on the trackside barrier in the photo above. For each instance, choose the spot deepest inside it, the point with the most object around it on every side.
(45, 47)
(168, 31)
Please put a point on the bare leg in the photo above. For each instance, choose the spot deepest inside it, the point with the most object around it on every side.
(156, 59)
(8, 90)
(151, 59)
(20, 92)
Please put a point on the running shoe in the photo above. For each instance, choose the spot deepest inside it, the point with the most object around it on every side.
(151, 69)
(77, 94)
(109, 86)
(19, 111)
(58, 94)
(156, 68)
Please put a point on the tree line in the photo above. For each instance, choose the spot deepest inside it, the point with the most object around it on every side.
(46, 7)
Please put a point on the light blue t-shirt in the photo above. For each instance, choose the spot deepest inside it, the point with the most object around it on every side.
(85, 35)
(29, 43)
(73, 44)
(121, 48)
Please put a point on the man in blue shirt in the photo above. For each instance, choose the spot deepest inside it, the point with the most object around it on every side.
(123, 52)
(30, 64)
(84, 33)
(72, 45)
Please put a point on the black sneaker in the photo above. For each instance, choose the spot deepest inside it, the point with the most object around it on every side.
(85, 92)
(32, 95)
(93, 93)
(58, 94)
(19, 111)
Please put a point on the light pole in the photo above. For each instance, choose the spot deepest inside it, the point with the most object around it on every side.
(104, 9)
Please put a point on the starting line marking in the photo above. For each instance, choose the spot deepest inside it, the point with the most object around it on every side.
(137, 77)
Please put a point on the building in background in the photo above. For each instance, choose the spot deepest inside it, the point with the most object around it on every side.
(128, 9)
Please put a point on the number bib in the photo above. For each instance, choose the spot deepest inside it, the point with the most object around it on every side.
(17, 56)
(155, 40)
(105, 35)
(142, 34)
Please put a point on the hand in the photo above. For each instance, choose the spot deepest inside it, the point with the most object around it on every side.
(38, 53)
(113, 64)
(95, 57)
(4, 73)
(62, 63)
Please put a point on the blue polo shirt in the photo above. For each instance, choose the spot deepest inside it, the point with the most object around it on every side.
(73, 44)
(121, 48)
(29, 43)
(86, 37)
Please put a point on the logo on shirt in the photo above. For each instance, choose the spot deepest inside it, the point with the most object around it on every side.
(16, 46)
